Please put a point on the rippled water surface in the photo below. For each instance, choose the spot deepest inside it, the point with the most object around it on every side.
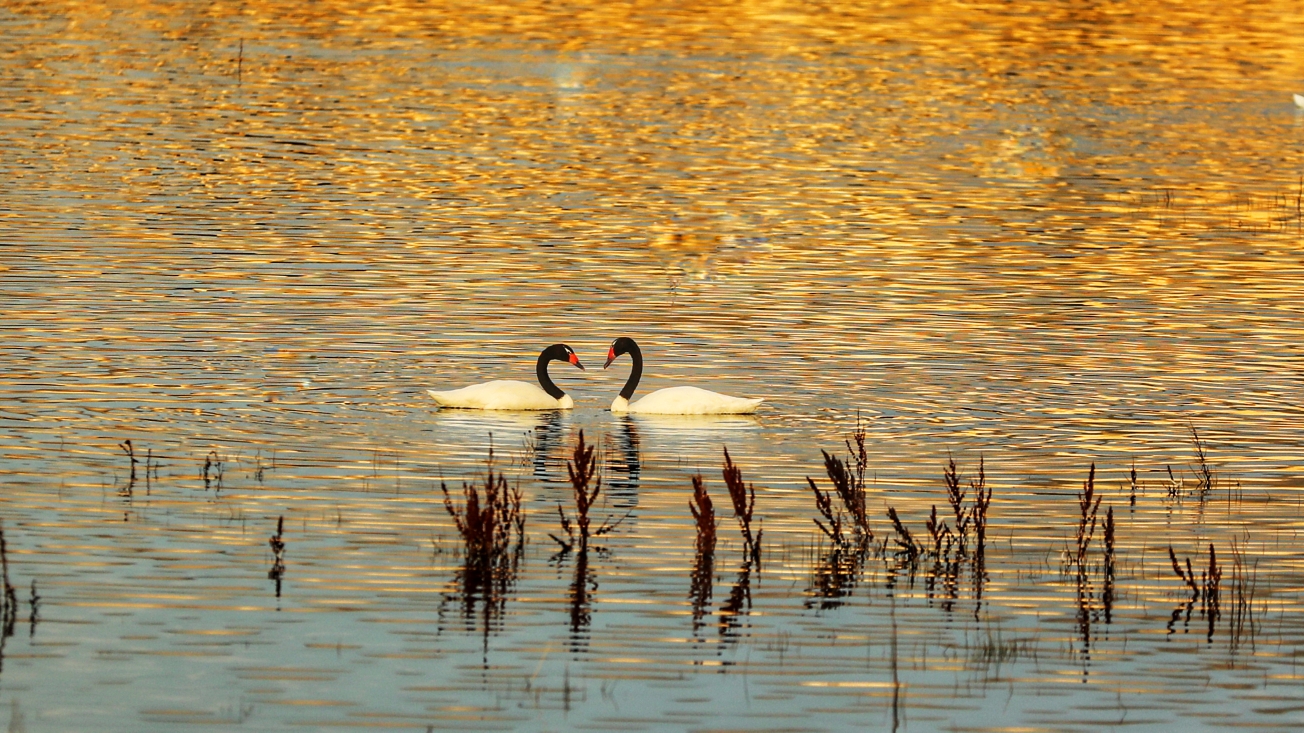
(248, 237)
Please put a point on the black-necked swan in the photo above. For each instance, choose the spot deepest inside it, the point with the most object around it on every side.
(509, 394)
(671, 400)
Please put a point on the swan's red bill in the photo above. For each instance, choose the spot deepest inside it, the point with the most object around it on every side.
(575, 359)
(611, 356)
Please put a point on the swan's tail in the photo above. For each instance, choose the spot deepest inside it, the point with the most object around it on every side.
(441, 398)
(750, 404)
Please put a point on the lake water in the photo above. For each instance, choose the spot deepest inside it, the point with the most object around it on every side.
(248, 237)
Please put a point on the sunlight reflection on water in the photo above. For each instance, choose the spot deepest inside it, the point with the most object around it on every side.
(249, 240)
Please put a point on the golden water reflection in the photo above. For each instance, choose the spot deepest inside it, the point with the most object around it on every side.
(248, 237)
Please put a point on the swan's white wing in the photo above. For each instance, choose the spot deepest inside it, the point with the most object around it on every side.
(693, 401)
(503, 394)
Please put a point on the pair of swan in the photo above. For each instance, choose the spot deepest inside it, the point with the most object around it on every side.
(514, 395)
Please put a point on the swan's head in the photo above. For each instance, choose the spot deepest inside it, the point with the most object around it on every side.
(622, 345)
(562, 352)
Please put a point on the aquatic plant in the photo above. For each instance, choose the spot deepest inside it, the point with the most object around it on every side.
(1208, 591)
(1175, 485)
(833, 517)
(851, 486)
(743, 497)
(1212, 589)
(1186, 575)
(982, 500)
(832, 524)
(1204, 473)
(704, 560)
(34, 602)
(1206, 478)
(1244, 582)
(9, 604)
(1133, 485)
(212, 473)
(1107, 593)
(582, 469)
(488, 517)
(491, 524)
(277, 543)
(906, 543)
(848, 479)
(131, 456)
(1089, 508)
(704, 516)
(968, 520)
(940, 533)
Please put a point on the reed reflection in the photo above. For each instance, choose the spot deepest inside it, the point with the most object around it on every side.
(743, 497)
(1207, 592)
(625, 473)
(834, 578)
(277, 543)
(581, 589)
(1089, 605)
(9, 601)
(735, 609)
(544, 438)
(701, 587)
(577, 532)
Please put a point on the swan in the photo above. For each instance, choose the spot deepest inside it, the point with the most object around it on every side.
(671, 400)
(508, 394)
(1299, 100)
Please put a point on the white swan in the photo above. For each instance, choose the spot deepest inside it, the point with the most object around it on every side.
(507, 394)
(672, 400)
(1299, 100)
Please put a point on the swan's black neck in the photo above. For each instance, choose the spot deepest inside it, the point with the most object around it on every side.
(541, 369)
(632, 383)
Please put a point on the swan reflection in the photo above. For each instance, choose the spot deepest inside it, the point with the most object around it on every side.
(527, 437)
(689, 434)
(624, 465)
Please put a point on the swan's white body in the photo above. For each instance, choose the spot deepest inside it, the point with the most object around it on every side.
(502, 394)
(687, 401)
(1299, 100)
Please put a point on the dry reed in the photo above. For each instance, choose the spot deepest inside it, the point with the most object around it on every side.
(277, 543)
(1244, 583)
(582, 470)
(212, 471)
(1186, 574)
(488, 517)
(704, 516)
(971, 520)
(131, 455)
(9, 605)
(1203, 471)
(743, 497)
(1089, 506)
(848, 479)
(904, 540)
